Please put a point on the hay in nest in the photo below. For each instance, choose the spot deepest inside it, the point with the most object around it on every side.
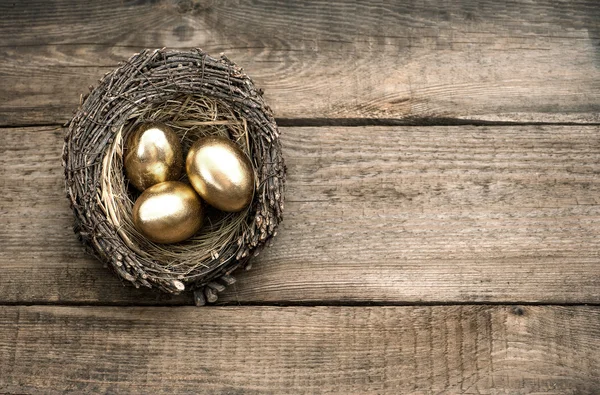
(196, 95)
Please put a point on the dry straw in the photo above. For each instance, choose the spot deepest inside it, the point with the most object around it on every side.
(196, 95)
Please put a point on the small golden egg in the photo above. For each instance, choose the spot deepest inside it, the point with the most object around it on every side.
(221, 173)
(153, 155)
(168, 212)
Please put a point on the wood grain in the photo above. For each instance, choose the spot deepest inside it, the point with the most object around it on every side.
(524, 61)
(247, 350)
(373, 214)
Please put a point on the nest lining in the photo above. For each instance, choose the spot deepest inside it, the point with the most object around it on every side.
(196, 95)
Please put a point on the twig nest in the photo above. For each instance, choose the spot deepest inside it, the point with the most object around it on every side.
(192, 96)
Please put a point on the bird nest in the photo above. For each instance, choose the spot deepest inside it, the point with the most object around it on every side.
(196, 95)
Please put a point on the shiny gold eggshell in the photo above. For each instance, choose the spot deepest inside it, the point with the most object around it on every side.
(221, 173)
(153, 155)
(168, 212)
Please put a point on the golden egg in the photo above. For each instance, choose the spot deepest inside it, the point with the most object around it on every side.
(153, 155)
(168, 212)
(221, 173)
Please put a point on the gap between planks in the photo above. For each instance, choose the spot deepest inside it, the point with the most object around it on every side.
(286, 304)
(365, 122)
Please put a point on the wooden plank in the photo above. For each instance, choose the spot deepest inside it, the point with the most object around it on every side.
(532, 61)
(373, 214)
(366, 350)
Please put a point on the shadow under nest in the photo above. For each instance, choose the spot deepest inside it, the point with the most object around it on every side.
(196, 95)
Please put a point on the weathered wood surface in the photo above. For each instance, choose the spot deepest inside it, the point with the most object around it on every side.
(373, 214)
(246, 350)
(488, 60)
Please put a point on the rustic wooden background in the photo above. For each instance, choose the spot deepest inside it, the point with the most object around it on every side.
(442, 228)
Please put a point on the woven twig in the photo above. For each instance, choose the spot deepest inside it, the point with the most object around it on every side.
(196, 95)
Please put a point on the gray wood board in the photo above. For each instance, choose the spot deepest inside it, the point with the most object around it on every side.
(373, 214)
(523, 61)
(366, 350)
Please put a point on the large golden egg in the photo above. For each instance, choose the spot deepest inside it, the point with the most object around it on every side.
(221, 173)
(153, 155)
(168, 212)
